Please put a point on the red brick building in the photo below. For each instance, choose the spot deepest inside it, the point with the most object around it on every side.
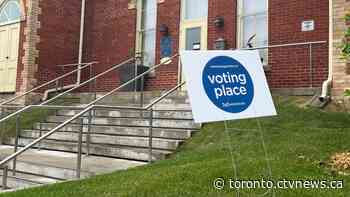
(39, 35)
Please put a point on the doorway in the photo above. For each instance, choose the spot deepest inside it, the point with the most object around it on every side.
(193, 27)
(10, 15)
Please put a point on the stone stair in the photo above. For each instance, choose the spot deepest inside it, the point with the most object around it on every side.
(116, 136)
(38, 167)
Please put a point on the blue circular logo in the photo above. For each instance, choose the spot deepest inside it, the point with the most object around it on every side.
(228, 84)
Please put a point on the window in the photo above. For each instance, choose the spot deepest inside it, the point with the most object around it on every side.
(10, 11)
(194, 9)
(149, 25)
(253, 25)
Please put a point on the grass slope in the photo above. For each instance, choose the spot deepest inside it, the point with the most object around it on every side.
(299, 142)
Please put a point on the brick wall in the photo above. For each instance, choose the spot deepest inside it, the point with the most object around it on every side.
(341, 74)
(59, 37)
(227, 10)
(110, 37)
(290, 65)
(21, 51)
(49, 35)
(167, 75)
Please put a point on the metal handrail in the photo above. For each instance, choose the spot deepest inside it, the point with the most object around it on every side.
(66, 65)
(78, 115)
(89, 80)
(87, 109)
(285, 45)
(14, 155)
(66, 92)
(308, 44)
(132, 80)
(48, 83)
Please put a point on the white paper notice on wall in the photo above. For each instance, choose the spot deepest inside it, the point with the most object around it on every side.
(226, 85)
(308, 25)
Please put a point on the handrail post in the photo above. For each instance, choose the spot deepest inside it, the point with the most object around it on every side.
(4, 177)
(95, 89)
(311, 65)
(18, 130)
(142, 95)
(88, 135)
(136, 73)
(2, 126)
(1, 111)
(79, 152)
(150, 136)
(91, 85)
(57, 88)
(40, 134)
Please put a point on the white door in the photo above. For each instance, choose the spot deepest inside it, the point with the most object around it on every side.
(9, 43)
(193, 27)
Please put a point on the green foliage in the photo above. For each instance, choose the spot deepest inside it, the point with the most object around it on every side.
(347, 17)
(347, 92)
(26, 120)
(345, 46)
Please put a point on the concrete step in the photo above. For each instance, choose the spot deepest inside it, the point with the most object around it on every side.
(132, 113)
(132, 97)
(62, 166)
(186, 124)
(122, 152)
(157, 143)
(167, 133)
(23, 180)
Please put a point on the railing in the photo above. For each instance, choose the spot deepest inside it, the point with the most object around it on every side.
(56, 81)
(59, 85)
(93, 79)
(310, 51)
(87, 109)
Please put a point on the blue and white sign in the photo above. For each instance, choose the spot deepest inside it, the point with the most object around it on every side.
(226, 85)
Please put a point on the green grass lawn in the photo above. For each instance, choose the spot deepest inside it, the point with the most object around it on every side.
(26, 120)
(299, 142)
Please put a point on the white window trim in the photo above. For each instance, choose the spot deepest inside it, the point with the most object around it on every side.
(22, 18)
(240, 36)
(144, 31)
(183, 10)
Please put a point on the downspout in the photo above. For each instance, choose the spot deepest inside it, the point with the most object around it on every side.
(81, 39)
(81, 42)
(326, 86)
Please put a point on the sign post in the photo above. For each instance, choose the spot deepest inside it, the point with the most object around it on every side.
(228, 85)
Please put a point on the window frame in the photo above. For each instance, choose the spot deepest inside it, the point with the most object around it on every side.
(145, 31)
(183, 13)
(3, 6)
(240, 29)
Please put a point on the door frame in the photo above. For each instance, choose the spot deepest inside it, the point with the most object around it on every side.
(8, 49)
(188, 24)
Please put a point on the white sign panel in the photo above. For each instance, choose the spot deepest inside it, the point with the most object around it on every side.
(226, 85)
(308, 25)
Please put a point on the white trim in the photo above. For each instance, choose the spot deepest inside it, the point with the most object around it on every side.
(10, 22)
(186, 24)
(143, 31)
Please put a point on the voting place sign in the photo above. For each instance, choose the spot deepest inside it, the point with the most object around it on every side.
(226, 85)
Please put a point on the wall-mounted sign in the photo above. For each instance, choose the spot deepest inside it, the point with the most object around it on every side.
(166, 46)
(308, 25)
(226, 85)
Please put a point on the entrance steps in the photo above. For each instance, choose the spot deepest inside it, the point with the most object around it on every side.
(117, 139)
(37, 167)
